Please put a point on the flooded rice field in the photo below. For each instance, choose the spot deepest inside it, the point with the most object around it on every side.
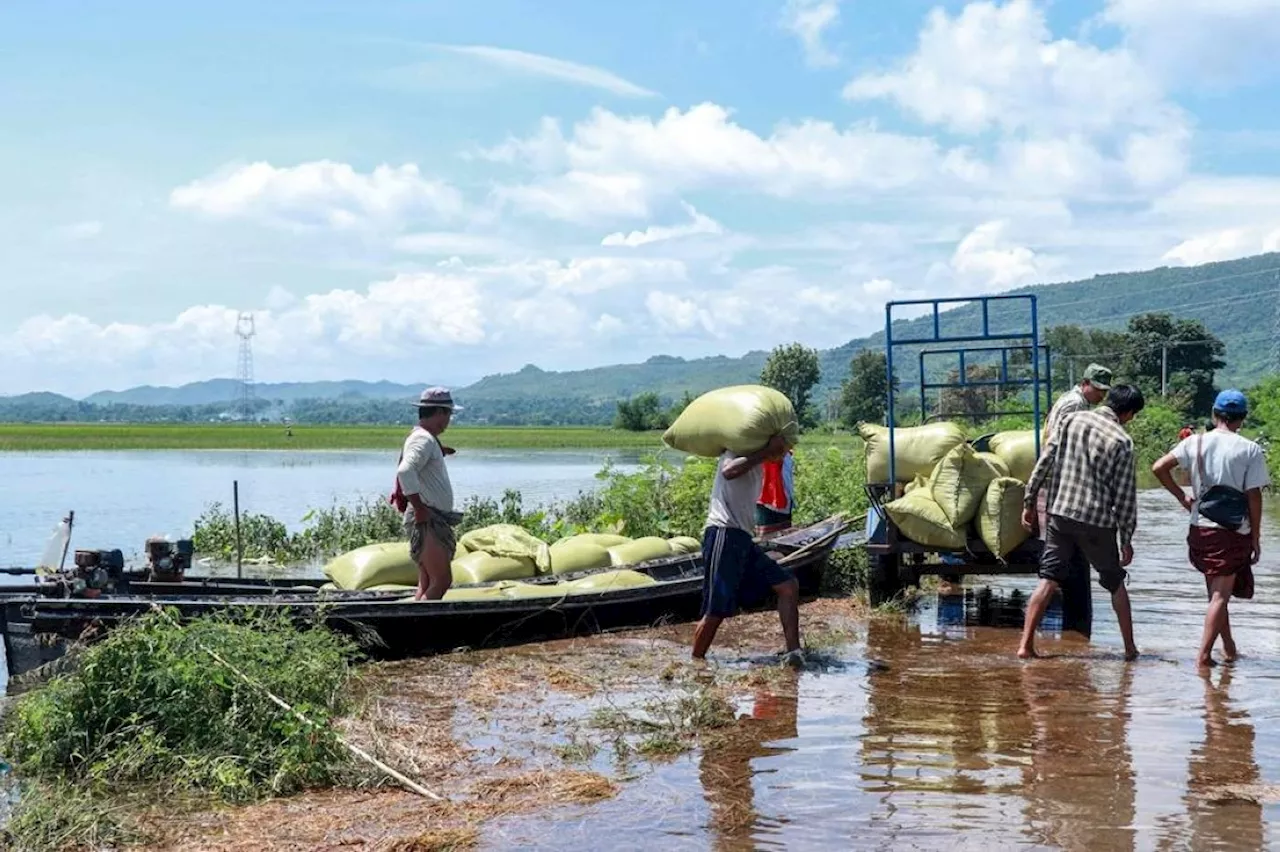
(917, 732)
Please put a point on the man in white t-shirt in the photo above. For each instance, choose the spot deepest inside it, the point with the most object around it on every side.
(425, 495)
(734, 565)
(1224, 551)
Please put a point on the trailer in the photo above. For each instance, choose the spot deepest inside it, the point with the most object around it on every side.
(1007, 335)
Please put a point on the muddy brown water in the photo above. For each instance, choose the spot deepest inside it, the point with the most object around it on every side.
(928, 734)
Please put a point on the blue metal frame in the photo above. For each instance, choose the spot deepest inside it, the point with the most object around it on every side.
(985, 337)
(965, 382)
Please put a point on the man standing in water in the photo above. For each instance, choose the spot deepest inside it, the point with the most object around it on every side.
(733, 563)
(425, 495)
(1093, 499)
(1228, 473)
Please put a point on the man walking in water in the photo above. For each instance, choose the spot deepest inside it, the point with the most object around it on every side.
(1093, 499)
(1228, 473)
(733, 564)
(425, 495)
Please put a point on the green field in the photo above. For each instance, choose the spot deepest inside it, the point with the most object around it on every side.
(31, 437)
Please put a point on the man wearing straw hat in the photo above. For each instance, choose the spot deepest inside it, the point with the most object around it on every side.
(425, 495)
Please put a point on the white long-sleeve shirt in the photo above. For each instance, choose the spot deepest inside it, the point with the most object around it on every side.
(422, 471)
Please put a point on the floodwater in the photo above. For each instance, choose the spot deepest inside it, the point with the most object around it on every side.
(121, 498)
(929, 734)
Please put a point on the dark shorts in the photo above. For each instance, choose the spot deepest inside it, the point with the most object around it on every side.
(736, 571)
(436, 526)
(1066, 538)
(770, 520)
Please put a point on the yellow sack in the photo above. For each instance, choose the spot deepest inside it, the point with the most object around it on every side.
(373, 565)
(480, 567)
(918, 449)
(608, 581)
(959, 482)
(640, 550)
(999, 518)
(328, 587)
(741, 418)
(922, 520)
(573, 554)
(508, 540)
(601, 539)
(685, 544)
(1017, 449)
(524, 591)
(918, 482)
(394, 587)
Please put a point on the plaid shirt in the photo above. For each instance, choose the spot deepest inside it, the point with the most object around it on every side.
(1090, 467)
(1069, 403)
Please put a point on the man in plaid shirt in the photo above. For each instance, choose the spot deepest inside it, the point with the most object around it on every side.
(1093, 500)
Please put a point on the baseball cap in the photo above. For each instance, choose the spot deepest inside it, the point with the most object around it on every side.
(437, 397)
(1231, 402)
(1098, 376)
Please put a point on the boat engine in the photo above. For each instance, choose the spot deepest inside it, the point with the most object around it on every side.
(168, 561)
(96, 571)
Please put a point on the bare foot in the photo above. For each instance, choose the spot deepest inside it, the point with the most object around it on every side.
(1205, 663)
(1229, 653)
(1130, 654)
(1027, 653)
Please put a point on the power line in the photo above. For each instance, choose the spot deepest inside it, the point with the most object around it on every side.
(1122, 293)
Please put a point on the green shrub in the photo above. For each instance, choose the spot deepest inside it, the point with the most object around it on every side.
(149, 705)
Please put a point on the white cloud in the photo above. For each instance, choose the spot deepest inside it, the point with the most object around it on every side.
(987, 261)
(537, 65)
(1199, 41)
(1061, 102)
(80, 230)
(808, 20)
(450, 243)
(698, 224)
(320, 194)
(607, 325)
(619, 166)
(1225, 245)
(676, 314)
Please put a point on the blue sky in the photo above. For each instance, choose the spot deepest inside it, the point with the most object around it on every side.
(432, 191)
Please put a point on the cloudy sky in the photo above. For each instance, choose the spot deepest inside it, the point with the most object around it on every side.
(433, 191)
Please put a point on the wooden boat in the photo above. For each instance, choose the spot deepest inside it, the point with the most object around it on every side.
(38, 629)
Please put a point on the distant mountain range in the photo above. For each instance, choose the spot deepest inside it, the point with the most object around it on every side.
(1237, 300)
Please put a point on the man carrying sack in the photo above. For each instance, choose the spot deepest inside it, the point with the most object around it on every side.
(1228, 473)
(424, 494)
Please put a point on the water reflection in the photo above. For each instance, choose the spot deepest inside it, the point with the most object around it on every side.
(730, 774)
(1079, 781)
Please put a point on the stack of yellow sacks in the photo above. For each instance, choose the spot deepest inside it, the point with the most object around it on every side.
(948, 485)
(499, 554)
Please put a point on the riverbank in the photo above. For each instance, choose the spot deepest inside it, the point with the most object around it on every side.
(44, 437)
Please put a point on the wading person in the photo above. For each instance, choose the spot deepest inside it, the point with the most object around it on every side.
(1228, 473)
(425, 495)
(734, 565)
(1092, 501)
(777, 494)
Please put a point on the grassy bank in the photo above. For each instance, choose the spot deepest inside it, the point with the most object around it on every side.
(31, 437)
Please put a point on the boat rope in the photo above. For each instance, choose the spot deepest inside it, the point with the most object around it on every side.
(408, 783)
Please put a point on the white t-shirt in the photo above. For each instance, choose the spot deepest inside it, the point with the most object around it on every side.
(733, 501)
(422, 471)
(1229, 459)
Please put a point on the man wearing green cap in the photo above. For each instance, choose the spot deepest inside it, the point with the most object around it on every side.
(1084, 396)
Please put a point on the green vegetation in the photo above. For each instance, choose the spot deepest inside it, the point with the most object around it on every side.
(644, 413)
(863, 394)
(794, 369)
(243, 436)
(148, 708)
(664, 498)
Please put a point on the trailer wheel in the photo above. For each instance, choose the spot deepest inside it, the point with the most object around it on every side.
(886, 580)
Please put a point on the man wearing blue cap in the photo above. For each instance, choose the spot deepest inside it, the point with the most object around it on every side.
(1228, 473)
